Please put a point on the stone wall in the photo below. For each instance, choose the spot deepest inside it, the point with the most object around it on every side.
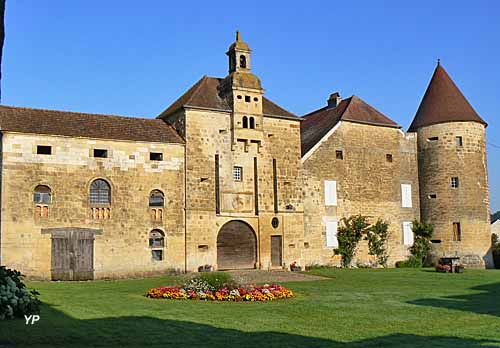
(367, 184)
(122, 250)
(440, 159)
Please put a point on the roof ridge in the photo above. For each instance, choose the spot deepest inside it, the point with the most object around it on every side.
(74, 112)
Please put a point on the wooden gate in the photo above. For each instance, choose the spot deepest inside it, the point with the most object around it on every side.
(276, 251)
(72, 253)
(236, 246)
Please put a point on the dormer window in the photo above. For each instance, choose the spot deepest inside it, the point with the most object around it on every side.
(243, 61)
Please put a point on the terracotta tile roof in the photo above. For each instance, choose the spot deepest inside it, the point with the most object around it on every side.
(318, 123)
(443, 102)
(75, 124)
(205, 94)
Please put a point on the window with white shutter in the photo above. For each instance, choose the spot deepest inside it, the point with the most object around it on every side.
(331, 234)
(330, 192)
(406, 195)
(407, 233)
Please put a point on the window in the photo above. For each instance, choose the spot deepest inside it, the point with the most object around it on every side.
(432, 196)
(44, 150)
(100, 192)
(243, 61)
(247, 98)
(157, 255)
(454, 182)
(245, 122)
(331, 234)
(42, 195)
(156, 198)
(255, 99)
(100, 153)
(252, 123)
(238, 173)
(156, 156)
(459, 141)
(157, 243)
(457, 232)
(239, 96)
(432, 139)
(406, 196)
(339, 155)
(388, 157)
(407, 233)
(330, 192)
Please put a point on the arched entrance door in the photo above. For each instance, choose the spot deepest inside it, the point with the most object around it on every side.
(236, 246)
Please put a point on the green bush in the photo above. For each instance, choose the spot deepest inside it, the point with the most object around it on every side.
(349, 234)
(15, 299)
(411, 262)
(378, 238)
(422, 242)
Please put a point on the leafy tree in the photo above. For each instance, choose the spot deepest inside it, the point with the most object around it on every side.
(422, 239)
(378, 236)
(495, 216)
(349, 234)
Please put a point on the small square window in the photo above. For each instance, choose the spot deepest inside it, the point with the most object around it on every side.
(100, 153)
(157, 255)
(454, 182)
(432, 139)
(459, 141)
(388, 157)
(156, 156)
(339, 155)
(237, 173)
(239, 96)
(432, 196)
(247, 98)
(44, 150)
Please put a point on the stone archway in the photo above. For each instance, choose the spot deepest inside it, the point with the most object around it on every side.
(236, 246)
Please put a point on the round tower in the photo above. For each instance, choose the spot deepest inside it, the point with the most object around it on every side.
(453, 173)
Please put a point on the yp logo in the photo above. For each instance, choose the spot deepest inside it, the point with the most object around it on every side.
(33, 318)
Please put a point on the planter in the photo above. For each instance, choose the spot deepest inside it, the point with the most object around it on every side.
(205, 268)
(295, 268)
(459, 269)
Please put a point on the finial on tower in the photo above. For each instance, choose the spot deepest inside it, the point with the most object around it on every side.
(439, 62)
(238, 37)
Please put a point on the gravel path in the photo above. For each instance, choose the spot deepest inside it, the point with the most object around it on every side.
(275, 276)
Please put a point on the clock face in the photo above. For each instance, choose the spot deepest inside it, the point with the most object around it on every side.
(275, 222)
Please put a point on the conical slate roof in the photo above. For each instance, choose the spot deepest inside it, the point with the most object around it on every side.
(443, 102)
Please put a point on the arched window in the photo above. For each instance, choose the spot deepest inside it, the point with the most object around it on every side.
(100, 192)
(156, 198)
(243, 61)
(245, 122)
(157, 243)
(42, 195)
(252, 123)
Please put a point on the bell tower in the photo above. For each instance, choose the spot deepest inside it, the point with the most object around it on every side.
(244, 92)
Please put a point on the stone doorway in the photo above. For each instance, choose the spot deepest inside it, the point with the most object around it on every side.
(236, 246)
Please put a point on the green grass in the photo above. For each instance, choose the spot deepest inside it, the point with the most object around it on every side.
(354, 308)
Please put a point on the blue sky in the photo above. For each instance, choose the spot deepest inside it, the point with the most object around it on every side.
(119, 57)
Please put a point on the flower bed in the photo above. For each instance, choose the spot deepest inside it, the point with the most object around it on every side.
(250, 293)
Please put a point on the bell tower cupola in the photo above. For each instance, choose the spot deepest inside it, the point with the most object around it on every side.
(239, 55)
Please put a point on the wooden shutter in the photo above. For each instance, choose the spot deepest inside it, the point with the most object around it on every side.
(406, 195)
(330, 192)
(331, 234)
(407, 233)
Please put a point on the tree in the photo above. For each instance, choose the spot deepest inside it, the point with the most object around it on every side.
(495, 216)
(349, 234)
(2, 37)
(378, 236)
(422, 239)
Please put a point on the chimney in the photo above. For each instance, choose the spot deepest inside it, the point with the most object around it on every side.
(334, 100)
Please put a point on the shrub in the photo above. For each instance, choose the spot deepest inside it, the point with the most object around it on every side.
(495, 250)
(411, 262)
(349, 235)
(15, 299)
(422, 240)
(377, 237)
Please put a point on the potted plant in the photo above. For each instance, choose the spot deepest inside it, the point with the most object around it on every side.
(294, 267)
(205, 268)
(459, 268)
(443, 268)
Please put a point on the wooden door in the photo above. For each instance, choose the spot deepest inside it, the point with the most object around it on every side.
(72, 255)
(276, 251)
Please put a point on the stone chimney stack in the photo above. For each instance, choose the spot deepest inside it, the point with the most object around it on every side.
(334, 100)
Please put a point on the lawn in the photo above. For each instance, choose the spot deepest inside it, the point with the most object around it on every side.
(354, 308)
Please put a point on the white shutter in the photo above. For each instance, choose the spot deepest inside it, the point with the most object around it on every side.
(330, 192)
(331, 234)
(407, 233)
(406, 195)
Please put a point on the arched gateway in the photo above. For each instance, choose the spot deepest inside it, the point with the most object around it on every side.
(236, 246)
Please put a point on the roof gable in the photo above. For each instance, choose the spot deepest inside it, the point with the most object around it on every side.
(205, 94)
(318, 123)
(75, 124)
(443, 102)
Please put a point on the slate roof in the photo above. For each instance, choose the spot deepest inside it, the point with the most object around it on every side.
(76, 124)
(317, 124)
(205, 94)
(443, 102)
